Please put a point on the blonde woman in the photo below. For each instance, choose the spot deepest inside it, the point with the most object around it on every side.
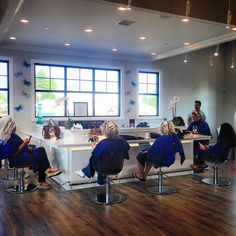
(20, 153)
(161, 153)
(112, 143)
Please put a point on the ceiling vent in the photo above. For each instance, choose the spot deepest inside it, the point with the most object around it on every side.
(126, 22)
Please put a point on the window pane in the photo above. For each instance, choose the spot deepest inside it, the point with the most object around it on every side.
(3, 68)
(142, 78)
(100, 86)
(100, 75)
(42, 71)
(152, 78)
(86, 74)
(57, 72)
(80, 97)
(147, 105)
(108, 108)
(86, 86)
(112, 76)
(3, 82)
(112, 87)
(152, 88)
(3, 103)
(73, 85)
(142, 88)
(42, 84)
(50, 106)
(57, 84)
(72, 73)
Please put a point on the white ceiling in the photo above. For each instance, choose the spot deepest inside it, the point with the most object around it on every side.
(67, 20)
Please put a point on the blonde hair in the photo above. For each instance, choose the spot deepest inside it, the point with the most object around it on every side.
(110, 129)
(167, 127)
(7, 126)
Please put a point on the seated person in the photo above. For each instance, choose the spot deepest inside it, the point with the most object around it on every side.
(218, 152)
(161, 153)
(112, 143)
(198, 125)
(20, 153)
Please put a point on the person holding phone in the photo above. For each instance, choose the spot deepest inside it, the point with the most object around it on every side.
(219, 151)
(20, 153)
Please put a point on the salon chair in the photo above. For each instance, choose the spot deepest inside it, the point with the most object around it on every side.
(109, 164)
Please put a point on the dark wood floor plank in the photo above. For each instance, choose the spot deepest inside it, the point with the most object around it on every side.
(196, 209)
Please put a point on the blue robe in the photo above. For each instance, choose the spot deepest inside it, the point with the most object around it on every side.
(201, 126)
(105, 146)
(162, 152)
(219, 151)
(24, 158)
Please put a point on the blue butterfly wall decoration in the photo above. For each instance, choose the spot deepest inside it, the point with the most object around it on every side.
(26, 64)
(131, 102)
(25, 94)
(18, 74)
(18, 108)
(133, 84)
(27, 82)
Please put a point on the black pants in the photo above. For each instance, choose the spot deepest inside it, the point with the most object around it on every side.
(42, 165)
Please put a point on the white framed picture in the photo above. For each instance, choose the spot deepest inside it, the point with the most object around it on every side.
(80, 109)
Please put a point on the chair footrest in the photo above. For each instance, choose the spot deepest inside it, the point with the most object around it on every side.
(218, 182)
(113, 198)
(18, 189)
(164, 190)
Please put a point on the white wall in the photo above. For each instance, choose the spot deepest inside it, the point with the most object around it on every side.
(196, 80)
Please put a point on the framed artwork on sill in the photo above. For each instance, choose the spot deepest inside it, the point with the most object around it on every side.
(80, 109)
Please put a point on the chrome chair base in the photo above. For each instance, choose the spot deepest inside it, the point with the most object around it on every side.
(216, 182)
(20, 189)
(114, 198)
(164, 190)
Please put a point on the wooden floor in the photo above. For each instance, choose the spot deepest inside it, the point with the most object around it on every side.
(196, 209)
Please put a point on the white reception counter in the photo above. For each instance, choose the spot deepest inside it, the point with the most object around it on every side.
(73, 151)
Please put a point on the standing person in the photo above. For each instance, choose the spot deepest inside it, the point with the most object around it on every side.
(20, 153)
(220, 151)
(112, 143)
(197, 108)
(161, 153)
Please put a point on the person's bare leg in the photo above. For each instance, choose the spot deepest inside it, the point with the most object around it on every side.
(140, 171)
(147, 168)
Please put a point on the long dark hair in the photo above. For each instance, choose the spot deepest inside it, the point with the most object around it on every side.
(227, 133)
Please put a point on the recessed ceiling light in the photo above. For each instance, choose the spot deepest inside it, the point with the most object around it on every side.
(234, 28)
(122, 8)
(185, 20)
(46, 28)
(88, 30)
(67, 44)
(142, 37)
(24, 21)
(153, 54)
(12, 38)
(186, 43)
(114, 49)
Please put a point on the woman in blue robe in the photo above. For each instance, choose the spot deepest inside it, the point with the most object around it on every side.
(161, 153)
(112, 143)
(20, 153)
(220, 151)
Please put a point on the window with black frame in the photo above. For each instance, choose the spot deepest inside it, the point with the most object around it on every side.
(148, 93)
(58, 88)
(4, 88)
